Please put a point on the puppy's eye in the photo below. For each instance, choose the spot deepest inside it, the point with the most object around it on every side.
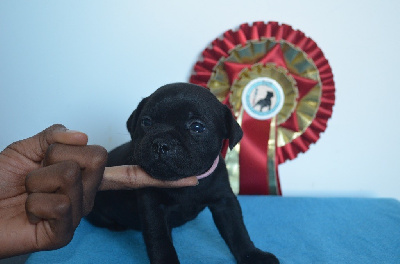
(146, 121)
(197, 127)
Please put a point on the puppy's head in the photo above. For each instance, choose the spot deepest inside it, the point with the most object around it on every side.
(178, 131)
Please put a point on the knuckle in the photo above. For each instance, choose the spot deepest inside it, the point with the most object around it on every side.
(98, 156)
(56, 127)
(71, 172)
(47, 134)
(63, 207)
(46, 137)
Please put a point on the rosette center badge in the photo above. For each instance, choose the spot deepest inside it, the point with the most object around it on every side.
(263, 98)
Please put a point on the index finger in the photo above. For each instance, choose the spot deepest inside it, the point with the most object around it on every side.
(133, 177)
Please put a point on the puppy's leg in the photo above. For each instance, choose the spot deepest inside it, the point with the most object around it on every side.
(227, 216)
(156, 232)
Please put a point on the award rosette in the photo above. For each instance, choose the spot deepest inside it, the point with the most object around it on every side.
(279, 87)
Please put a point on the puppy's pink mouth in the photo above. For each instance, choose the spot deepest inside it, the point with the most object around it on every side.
(210, 170)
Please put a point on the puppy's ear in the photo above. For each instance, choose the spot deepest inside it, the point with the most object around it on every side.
(132, 120)
(233, 131)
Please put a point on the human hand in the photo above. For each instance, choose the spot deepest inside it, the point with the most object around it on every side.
(48, 183)
(46, 188)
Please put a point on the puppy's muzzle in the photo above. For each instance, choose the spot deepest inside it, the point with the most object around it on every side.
(160, 147)
(165, 148)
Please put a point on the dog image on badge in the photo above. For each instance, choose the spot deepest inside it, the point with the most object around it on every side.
(178, 132)
(265, 102)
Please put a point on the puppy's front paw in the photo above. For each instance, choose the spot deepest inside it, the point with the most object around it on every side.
(259, 257)
(164, 258)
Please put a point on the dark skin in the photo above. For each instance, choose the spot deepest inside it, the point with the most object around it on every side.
(48, 183)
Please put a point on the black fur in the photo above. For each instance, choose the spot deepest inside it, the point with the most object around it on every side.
(168, 141)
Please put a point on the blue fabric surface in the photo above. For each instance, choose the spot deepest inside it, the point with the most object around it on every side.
(296, 230)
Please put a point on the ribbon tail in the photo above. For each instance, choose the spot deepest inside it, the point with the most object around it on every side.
(253, 156)
(272, 167)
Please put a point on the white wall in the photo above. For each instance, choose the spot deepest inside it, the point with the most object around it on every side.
(87, 64)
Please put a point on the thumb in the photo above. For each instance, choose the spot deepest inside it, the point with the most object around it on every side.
(35, 147)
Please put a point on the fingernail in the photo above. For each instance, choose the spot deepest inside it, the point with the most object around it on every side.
(73, 131)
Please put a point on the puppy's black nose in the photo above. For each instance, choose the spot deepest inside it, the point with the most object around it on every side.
(160, 147)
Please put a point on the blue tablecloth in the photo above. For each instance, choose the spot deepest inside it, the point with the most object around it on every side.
(296, 230)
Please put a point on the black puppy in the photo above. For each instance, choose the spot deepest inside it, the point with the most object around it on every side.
(178, 132)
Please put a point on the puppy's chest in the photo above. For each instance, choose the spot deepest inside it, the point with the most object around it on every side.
(187, 209)
(183, 199)
(178, 207)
